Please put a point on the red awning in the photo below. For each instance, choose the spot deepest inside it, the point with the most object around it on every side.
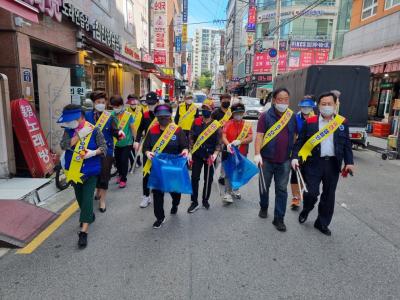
(21, 9)
(376, 59)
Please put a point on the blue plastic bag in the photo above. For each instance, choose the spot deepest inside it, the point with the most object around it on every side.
(169, 173)
(238, 169)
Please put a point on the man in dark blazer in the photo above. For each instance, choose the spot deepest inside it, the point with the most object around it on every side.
(325, 163)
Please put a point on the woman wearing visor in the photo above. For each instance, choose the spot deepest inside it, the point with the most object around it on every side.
(84, 145)
(177, 143)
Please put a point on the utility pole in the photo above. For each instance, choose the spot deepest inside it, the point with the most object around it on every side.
(276, 39)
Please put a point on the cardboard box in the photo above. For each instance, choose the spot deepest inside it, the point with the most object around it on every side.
(396, 105)
(392, 142)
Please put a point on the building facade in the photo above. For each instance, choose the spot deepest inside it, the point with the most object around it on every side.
(203, 51)
(374, 40)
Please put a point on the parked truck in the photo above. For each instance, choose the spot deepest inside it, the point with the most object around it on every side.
(352, 82)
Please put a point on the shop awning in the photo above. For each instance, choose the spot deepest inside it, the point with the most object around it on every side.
(268, 86)
(21, 9)
(149, 67)
(375, 58)
(127, 61)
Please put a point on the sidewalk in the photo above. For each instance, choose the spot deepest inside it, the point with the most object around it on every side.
(377, 144)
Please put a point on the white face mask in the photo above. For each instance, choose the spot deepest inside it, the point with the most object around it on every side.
(238, 117)
(151, 107)
(189, 101)
(72, 124)
(327, 111)
(281, 107)
(100, 107)
(118, 110)
(306, 110)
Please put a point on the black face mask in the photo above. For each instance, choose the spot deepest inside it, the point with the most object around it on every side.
(225, 104)
(206, 113)
(164, 121)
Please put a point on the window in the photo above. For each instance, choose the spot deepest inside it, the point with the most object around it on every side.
(370, 8)
(390, 3)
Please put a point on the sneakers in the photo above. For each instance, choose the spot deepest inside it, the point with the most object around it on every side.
(236, 194)
(227, 198)
(295, 204)
(263, 214)
(206, 205)
(221, 181)
(82, 242)
(174, 210)
(146, 200)
(279, 225)
(193, 207)
(117, 180)
(157, 224)
(122, 184)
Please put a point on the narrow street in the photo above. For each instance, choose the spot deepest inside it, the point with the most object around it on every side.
(223, 253)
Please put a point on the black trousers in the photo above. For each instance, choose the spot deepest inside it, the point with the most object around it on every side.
(146, 190)
(122, 161)
(159, 203)
(197, 166)
(325, 171)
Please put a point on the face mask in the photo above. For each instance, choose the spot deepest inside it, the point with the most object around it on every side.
(100, 107)
(306, 110)
(72, 125)
(164, 121)
(151, 107)
(281, 107)
(206, 113)
(237, 117)
(118, 110)
(327, 111)
(189, 101)
(225, 104)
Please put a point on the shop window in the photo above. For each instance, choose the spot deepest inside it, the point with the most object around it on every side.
(369, 9)
(391, 3)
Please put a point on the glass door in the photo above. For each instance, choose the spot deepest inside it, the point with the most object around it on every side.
(385, 102)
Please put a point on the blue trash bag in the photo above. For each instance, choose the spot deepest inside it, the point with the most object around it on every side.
(169, 173)
(238, 169)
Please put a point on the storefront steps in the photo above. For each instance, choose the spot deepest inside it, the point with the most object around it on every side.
(33, 205)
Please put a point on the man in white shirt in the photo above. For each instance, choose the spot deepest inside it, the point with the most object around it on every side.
(325, 163)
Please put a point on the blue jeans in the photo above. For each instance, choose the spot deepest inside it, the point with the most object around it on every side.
(280, 173)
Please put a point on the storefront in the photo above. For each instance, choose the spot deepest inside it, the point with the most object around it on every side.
(384, 106)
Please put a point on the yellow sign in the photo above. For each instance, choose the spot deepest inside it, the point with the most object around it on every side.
(250, 39)
(168, 71)
(320, 136)
(184, 33)
(277, 127)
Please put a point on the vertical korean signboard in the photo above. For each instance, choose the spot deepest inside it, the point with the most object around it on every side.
(184, 21)
(160, 31)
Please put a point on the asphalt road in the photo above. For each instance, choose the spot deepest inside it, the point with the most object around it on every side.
(223, 253)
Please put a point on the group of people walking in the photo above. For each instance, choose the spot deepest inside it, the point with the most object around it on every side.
(313, 142)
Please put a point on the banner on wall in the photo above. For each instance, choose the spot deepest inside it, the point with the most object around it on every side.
(251, 22)
(160, 57)
(184, 34)
(185, 11)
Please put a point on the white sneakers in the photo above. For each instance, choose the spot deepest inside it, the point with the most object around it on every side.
(236, 194)
(146, 200)
(227, 198)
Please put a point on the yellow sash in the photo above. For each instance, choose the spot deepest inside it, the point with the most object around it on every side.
(245, 131)
(321, 135)
(122, 123)
(205, 135)
(277, 127)
(102, 121)
(187, 116)
(74, 173)
(154, 122)
(226, 117)
(161, 144)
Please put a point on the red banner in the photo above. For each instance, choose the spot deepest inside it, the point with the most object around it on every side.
(160, 57)
(298, 59)
(31, 138)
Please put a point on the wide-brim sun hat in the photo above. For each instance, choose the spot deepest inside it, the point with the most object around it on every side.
(70, 115)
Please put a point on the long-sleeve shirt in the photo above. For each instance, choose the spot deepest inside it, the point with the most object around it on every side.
(65, 143)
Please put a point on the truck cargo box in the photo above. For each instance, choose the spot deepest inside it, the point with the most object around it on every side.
(352, 81)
